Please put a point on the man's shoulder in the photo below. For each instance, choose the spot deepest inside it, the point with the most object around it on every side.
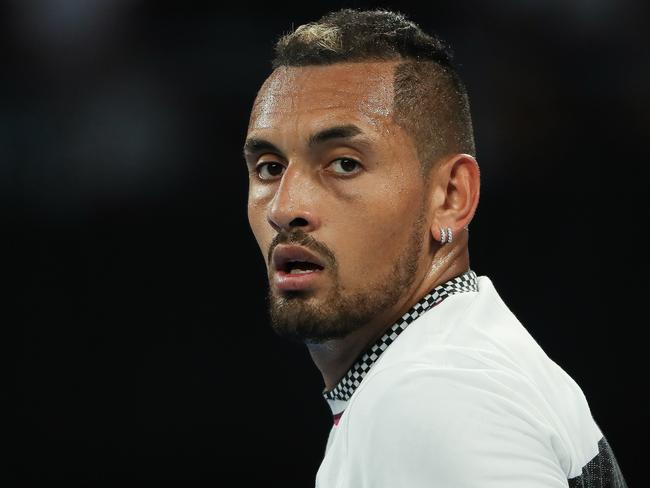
(477, 342)
(457, 378)
(454, 425)
(465, 391)
(467, 397)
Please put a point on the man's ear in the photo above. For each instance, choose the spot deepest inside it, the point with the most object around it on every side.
(454, 191)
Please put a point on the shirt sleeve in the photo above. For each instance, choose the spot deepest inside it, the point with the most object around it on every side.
(419, 427)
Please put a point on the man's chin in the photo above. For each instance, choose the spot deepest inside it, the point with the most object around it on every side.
(293, 320)
(297, 316)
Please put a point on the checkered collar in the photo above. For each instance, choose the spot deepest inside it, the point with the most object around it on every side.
(338, 396)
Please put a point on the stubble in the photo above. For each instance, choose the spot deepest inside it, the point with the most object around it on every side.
(297, 317)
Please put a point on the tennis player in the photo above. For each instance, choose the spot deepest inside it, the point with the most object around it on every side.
(363, 183)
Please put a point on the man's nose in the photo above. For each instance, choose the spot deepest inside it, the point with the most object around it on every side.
(292, 205)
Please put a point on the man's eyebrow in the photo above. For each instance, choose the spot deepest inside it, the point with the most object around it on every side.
(346, 131)
(254, 145)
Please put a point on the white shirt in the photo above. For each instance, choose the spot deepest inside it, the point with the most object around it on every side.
(462, 396)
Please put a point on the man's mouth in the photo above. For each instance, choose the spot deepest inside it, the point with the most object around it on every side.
(296, 259)
(296, 267)
(300, 267)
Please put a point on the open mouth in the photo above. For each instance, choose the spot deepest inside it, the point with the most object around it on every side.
(299, 267)
(296, 268)
(296, 260)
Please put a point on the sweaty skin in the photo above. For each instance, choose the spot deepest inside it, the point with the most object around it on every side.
(374, 220)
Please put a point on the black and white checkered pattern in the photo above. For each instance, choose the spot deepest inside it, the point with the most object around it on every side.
(465, 282)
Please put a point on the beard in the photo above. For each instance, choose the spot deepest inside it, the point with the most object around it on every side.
(296, 317)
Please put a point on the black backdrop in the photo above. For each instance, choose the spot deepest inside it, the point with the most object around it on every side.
(138, 335)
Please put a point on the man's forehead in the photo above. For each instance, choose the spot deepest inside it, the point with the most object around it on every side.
(362, 89)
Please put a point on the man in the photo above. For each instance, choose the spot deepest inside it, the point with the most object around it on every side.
(363, 182)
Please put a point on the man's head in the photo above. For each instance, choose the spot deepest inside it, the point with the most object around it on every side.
(345, 147)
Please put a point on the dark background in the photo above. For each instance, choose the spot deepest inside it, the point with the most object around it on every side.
(139, 332)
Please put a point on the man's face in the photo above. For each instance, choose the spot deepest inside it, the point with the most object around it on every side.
(355, 200)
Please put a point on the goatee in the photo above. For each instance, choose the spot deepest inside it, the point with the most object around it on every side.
(300, 317)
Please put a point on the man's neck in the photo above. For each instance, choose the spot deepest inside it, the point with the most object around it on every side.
(334, 358)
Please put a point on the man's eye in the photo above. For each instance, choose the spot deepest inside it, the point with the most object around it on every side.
(268, 171)
(347, 165)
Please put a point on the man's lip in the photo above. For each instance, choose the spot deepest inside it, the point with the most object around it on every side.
(293, 282)
(283, 254)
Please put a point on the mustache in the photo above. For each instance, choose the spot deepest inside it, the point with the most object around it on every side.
(300, 238)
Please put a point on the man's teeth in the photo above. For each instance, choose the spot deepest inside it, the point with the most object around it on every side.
(300, 271)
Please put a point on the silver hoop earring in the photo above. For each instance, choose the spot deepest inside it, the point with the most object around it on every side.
(450, 234)
(443, 236)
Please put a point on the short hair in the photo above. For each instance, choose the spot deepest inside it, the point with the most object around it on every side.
(430, 99)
